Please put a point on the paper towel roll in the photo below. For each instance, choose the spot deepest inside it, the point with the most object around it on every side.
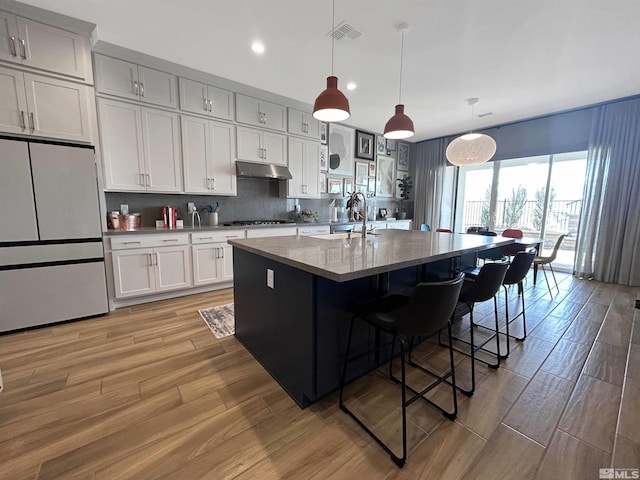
(334, 214)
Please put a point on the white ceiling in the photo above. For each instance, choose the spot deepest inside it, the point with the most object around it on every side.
(521, 58)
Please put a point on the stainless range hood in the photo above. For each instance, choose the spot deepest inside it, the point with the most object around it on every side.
(262, 170)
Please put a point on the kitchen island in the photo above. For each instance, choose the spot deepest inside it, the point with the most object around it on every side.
(290, 295)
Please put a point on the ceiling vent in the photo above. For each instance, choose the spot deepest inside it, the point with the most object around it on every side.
(345, 32)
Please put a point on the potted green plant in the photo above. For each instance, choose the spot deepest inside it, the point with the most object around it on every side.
(405, 184)
(352, 205)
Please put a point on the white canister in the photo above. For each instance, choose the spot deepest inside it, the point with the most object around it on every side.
(213, 218)
(334, 214)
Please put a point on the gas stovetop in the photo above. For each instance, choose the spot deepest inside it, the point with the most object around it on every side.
(261, 222)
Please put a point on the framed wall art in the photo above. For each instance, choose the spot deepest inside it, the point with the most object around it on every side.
(323, 133)
(341, 141)
(385, 178)
(403, 157)
(391, 144)
(347, 187)
(334, 185)
(362, 172)
(324, 158)
(372, 169)
(364, 145)
(371, 186)
(323, 182)
(381, 145)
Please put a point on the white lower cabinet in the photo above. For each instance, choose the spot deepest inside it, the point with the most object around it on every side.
(314, 230)
(143, 271)
(212, 256)
(399, 225)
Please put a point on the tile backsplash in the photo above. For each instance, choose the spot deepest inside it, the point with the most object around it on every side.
(256, 199)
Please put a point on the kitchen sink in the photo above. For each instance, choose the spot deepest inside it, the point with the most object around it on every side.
(337, 236)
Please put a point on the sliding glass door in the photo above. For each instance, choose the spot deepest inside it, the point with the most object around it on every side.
(542, 196)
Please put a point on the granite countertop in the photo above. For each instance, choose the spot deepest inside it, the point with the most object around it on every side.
(228, 226)
(342, 259)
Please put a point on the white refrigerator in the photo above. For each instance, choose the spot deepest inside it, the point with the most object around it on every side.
(51, 253)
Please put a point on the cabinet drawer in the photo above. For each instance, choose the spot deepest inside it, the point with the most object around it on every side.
(216, 237)
(148, 241)
(271, 232)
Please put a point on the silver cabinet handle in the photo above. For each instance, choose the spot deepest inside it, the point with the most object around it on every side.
(23, 122)
(231, 236)
(128, 243)
(210, 105)
(141, 89)
(205, 102)
(32, 122)
(222, 252)
(157, 258)
(141, 179)
(170, 240)
(147, 176)
(150, 259)
(12, 45)
(136, 87)
(24, 49)
(265, 153)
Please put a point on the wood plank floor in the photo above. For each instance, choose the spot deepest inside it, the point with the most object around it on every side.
(148, 392)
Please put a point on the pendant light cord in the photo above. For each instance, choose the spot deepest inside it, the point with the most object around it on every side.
(401, 58)
(333, 27)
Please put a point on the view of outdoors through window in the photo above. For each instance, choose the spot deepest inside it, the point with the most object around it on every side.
(542, 196)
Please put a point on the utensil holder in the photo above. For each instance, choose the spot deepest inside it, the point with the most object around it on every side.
(213, 218)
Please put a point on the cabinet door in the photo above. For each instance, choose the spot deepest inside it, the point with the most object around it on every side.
(311, 169)
(52, 49)
(223, 158)
(16, 189)
(13, 102)
(157, 87)
(9, 38)
(133, 272)
(161, 150)
(303, 123)
(275, 147)
(173, 268)
(273, 115)
(206, 263)
(247, 110)
(116, 77)
(57, 109)
(249, 144)
(220, 103)
(296, 160)
(122, 150)
(193, 97)
(196, 151)
(226, 263)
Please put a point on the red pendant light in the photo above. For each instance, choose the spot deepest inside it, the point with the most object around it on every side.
(400, 125)
(331, 105)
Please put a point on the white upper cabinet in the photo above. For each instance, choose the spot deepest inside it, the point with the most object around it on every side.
(304, 164)
(260, 113)
(261, 146)
(140, 148)
(128, 80)
(303, 123)
(196, 97)
(43, 106)
(36, 45)
(58, 109)
(208, 155)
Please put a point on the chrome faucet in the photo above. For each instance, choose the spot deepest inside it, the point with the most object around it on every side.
(364, 209)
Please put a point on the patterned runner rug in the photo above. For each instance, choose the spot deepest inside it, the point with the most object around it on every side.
(221, 320)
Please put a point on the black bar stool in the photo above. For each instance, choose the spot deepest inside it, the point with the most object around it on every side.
(427, 311)
(484, 287)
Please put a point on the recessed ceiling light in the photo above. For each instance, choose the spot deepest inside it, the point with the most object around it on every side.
(257, 47)
(351, 86)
